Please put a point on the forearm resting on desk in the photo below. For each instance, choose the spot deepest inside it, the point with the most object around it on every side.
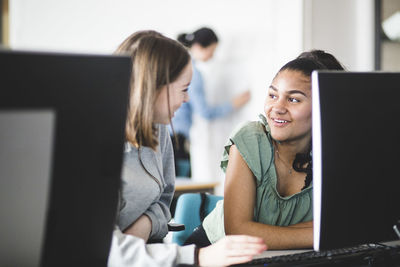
(303, 225)
(277, 237)
(140, 228)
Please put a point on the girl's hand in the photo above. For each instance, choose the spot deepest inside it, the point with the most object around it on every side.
(233, 249)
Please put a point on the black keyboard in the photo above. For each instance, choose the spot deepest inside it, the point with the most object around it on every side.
(363, 255)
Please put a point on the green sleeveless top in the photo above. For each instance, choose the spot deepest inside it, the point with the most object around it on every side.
(254, 143)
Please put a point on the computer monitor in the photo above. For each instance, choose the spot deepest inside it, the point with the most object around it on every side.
(356, 148)
(62, 121)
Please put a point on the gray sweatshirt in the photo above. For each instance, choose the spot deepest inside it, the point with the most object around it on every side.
(148, 184)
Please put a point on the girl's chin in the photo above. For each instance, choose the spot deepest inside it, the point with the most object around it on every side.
(278, 137)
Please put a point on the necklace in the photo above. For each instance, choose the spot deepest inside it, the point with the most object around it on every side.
(287, 166)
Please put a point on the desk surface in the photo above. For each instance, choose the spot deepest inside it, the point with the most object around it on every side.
(273, 253)
(185, 184)
(391, 260)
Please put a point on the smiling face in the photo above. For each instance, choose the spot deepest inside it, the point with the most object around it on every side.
(177, 95)
(288, 107)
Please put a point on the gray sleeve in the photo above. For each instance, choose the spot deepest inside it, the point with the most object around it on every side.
(168, 167)
(159, 212)
(127, 250)
(133, 201)
(159, 215)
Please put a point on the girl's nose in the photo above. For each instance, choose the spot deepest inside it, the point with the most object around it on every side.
(279, 107)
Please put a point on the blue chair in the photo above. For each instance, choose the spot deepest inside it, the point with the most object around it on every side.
(191, 208)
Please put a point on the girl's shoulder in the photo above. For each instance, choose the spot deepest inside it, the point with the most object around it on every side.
(254, 144)
(252, 131)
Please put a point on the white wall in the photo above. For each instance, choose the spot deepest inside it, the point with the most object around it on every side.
(343, 27)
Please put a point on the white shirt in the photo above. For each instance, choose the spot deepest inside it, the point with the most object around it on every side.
(128, 250)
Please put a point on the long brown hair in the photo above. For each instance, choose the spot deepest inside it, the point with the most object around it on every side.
(157, 61)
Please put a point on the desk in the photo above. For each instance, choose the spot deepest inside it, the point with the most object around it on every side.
(383, 259)
(361, 259)
(187, 185)
(274, 253)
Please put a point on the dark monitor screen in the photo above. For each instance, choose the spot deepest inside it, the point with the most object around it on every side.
(80, 102)
(356, 148)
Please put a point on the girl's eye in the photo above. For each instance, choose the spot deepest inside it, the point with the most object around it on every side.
(272, 96)
(185, 90)
(293, 100)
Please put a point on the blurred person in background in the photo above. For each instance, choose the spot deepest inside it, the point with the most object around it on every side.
(201, 44)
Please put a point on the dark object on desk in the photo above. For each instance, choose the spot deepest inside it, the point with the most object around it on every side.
(356, 147)
(175, 227)
(83, 98)
(364, 255)
(172, 227)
